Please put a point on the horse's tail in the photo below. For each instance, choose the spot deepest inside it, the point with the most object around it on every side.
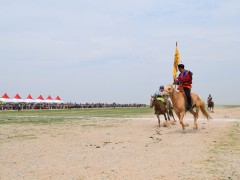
(203, 109)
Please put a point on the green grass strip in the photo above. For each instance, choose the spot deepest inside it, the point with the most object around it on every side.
(56, 116)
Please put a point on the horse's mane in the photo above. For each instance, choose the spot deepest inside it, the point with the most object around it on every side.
(174, 89)
(177, 91)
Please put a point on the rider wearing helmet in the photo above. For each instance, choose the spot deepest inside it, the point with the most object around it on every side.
(160, 95)
(161, 88)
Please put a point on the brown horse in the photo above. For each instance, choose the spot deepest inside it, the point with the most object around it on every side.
(179, 105)
(160, 108)
(210, 105)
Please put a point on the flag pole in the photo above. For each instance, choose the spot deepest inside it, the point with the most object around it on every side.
(174, 79)
(175, 64)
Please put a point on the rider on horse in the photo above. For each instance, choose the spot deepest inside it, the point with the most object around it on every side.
(184, 82)
(210, 102)
(209, 98)
(160, 95)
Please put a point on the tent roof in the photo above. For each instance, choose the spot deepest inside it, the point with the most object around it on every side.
(17, 96)
(40, 97)
(57, 98)
(29, 97)
(49, 98)
(5, 96)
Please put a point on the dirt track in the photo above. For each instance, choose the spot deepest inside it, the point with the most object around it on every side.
(123, 149)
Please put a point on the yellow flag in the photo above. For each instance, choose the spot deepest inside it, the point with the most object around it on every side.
(176, 62)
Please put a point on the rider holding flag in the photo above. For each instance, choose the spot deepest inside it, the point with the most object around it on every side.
(184, 82)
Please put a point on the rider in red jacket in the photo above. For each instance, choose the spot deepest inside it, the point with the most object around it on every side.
(184, 82)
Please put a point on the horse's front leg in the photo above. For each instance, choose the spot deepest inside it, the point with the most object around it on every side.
(158, 120)
(167, 115)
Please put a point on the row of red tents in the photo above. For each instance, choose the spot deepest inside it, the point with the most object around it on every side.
(17, 99)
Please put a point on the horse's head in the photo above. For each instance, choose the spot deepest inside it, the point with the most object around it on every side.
(152, 101)
(168, 90)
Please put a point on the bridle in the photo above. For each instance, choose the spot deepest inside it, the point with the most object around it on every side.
(167, 92)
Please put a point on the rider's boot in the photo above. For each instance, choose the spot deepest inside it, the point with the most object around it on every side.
(189, 107)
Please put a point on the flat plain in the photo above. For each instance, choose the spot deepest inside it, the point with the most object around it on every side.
(120, 143)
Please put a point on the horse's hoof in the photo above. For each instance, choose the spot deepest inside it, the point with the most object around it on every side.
(165, 124)
(195, 126)
(186, 124)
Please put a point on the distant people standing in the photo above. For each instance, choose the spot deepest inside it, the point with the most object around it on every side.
(19, 107)
(184, 82)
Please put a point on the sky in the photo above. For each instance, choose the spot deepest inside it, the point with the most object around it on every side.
(118, 50)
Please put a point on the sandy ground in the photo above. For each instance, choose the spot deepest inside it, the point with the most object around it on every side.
(130, 148)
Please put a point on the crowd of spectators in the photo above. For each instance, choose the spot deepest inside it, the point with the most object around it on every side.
(32, 106)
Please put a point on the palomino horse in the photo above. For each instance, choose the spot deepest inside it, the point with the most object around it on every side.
(179, 105)
(160, 108)
(210, 105)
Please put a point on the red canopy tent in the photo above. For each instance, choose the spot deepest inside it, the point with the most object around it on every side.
(49, 99)
(58, 100)
(40, 99)
(17, 99)
(29, 99)
(5, 98)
